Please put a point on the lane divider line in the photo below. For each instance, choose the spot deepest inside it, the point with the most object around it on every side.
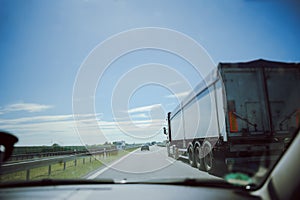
(170, 160)
(93, 176)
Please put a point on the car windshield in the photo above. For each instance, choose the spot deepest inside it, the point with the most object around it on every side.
(147, 90)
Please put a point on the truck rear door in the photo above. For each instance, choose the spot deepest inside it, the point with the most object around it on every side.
(283, 85)
(246, 109)
(262, 100)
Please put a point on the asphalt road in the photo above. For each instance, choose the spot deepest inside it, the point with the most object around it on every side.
(148, 165)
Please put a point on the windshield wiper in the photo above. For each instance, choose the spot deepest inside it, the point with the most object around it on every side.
(205, 182)
(217, 183)
(220, 183)
(51, 182)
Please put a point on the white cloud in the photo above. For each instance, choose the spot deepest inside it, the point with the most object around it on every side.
(139, 115)
(40, 130)
(36, 119)
(48, 128)
(143, 108)
(171, 104)
(178, 95)
(28, 107)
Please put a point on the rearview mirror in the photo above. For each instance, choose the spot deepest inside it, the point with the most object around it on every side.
(7, 142)
(165, 131)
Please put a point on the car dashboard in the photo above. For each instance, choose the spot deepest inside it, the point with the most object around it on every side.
(123, 191)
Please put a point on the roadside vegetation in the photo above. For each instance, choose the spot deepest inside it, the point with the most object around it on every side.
(73, 169)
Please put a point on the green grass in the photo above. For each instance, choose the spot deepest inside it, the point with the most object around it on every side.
(17, 176)
(71, 172)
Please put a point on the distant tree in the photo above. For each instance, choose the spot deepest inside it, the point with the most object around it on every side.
(55, 145)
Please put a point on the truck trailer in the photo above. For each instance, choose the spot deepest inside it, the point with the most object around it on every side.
(241, 114)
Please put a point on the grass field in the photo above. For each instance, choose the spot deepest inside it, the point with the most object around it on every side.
(84, 166)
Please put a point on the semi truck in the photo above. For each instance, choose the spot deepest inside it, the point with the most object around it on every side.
(241, 114)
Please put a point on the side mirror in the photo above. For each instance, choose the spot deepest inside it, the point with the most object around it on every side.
(165, 131)
(7, 142)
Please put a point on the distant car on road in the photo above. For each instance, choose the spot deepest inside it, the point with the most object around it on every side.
(145, 147)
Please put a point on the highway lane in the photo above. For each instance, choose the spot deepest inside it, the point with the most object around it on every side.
(148, 165)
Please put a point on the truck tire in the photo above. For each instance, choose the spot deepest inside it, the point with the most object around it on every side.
(174, 151)
(199, 157)
(208, 159)
(168, 150)
(176, 154)
(191, 156)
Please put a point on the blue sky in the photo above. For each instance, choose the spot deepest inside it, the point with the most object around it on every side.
(44, 43)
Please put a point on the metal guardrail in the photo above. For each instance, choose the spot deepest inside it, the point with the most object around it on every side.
(17, 157)
(40, 155)
(27, 165)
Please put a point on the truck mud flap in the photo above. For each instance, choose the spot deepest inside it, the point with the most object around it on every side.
(219, 168)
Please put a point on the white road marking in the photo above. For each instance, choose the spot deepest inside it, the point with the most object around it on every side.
(93, 176)
(170, 160)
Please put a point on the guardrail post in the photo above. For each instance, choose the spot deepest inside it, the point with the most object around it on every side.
(64, 165)
(27, 174)
(49, 170)
(90, 159)
(75, 162)
(83, 161)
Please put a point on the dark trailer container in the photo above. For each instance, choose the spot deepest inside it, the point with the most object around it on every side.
(241, 114)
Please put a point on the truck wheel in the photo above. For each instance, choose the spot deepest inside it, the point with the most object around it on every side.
(198, 158)
(174, 151)
(176, 154)
(168, 150)
(191, 156)
(208, 157)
